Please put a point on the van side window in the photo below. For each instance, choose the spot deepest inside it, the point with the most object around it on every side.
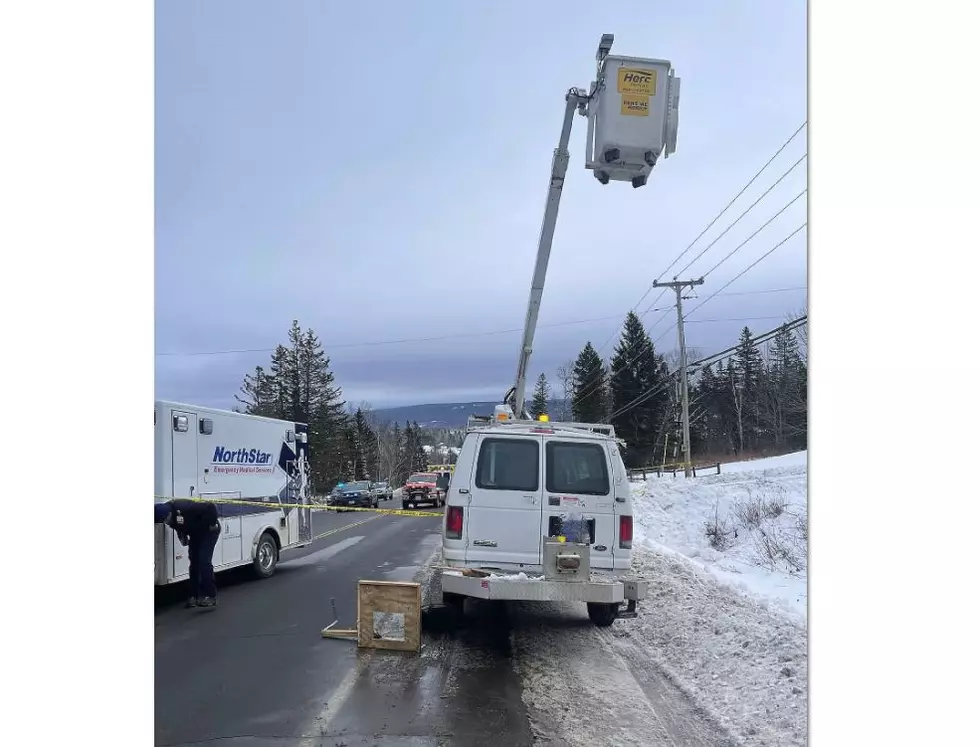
(508, 464)
(576, 468)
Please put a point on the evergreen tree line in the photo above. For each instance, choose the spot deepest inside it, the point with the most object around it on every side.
(345, 445)
(755, 403)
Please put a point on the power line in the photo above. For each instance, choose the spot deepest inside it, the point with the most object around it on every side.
(461, 335)
(744, 213)
(755, 342)
(740, 193)
(748, 268)
(742, 319)
(768, 290)
(708, 227)
(754, 234)
(396, 342)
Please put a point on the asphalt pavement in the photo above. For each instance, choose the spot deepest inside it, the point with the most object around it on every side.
(256, 671)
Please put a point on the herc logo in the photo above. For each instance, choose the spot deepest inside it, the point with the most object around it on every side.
(636, 81)
(241, 456)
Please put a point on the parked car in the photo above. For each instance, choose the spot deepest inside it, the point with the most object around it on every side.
(358, 494)
(383, 491)
(422, 487)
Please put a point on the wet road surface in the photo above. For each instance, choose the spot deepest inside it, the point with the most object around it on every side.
(256, 671)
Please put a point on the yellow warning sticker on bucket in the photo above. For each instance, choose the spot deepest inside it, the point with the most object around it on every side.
(635, 106)
(636, 81)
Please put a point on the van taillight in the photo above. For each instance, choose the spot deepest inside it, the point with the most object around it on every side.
(454, 522)
(626, 532)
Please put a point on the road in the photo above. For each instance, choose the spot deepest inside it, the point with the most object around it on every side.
(256, 670)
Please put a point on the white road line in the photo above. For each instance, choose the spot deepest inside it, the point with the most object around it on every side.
(326, 553)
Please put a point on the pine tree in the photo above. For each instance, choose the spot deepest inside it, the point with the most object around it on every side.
(784, 393)
(300, 387)
(749, 375)
(367, 444)
(589, 384)
(639, 385)
(539, 403)
(421, 461)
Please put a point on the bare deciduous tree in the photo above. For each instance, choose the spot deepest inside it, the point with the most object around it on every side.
(566, 381)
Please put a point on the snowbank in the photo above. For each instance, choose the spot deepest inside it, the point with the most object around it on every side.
(725, 617)
(743, 662)
(748, 525)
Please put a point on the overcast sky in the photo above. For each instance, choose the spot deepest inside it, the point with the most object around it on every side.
(378, 171)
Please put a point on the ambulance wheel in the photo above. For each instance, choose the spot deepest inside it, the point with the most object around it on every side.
(603, 614)
(266, 556)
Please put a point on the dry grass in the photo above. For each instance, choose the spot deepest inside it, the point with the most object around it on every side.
(719, 532)
(802, 527)
(779, 551)
(752, 512)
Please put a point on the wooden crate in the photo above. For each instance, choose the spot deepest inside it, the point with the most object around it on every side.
(393, 598)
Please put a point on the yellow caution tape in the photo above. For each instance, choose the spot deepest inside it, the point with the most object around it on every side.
(311, 506)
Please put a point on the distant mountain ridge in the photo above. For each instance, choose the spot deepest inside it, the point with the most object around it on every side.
(440, 415)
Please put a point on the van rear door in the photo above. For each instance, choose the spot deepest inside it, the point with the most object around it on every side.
(579, 480)
(503, 516)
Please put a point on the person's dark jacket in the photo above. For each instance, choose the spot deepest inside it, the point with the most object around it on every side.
(192, 517)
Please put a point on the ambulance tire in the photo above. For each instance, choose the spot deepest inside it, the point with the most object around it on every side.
(603, 615)
(266, 556)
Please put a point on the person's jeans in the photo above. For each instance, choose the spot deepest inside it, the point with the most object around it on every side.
(200, 551)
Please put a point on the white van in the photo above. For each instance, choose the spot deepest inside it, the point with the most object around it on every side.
(515, 486)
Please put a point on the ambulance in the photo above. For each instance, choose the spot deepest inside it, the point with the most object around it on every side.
(255, 470)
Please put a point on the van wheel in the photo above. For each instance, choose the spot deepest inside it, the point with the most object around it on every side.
(266, 556)
(456, 604)
(603, 614)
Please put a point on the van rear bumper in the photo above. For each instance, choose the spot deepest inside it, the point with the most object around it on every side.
(535, 589)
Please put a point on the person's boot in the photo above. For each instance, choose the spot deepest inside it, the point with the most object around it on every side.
(208, 603)
(190, 603)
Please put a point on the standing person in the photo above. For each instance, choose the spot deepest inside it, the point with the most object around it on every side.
(197, 527)
(442, 483)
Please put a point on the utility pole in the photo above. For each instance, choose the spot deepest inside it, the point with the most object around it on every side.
(678, 286)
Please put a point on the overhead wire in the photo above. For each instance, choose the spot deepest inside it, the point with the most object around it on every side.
(629, 361)
(663, 386)
(801, 227)
(709, 226)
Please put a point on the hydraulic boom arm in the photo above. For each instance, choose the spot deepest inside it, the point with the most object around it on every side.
(574, 100)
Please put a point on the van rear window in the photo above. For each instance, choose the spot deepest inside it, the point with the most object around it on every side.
(576, 468)
(508, 464)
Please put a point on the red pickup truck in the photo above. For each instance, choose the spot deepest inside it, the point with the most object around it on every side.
(422, 487)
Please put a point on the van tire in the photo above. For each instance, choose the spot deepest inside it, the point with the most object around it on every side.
(456, 604)
(603, 614)
(266, 556)
(453, 600)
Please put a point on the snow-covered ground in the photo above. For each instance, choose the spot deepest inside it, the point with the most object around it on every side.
(725, 619)
(718, 654)
(759, 509)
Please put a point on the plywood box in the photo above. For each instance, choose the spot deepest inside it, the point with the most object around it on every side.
(389, 615)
